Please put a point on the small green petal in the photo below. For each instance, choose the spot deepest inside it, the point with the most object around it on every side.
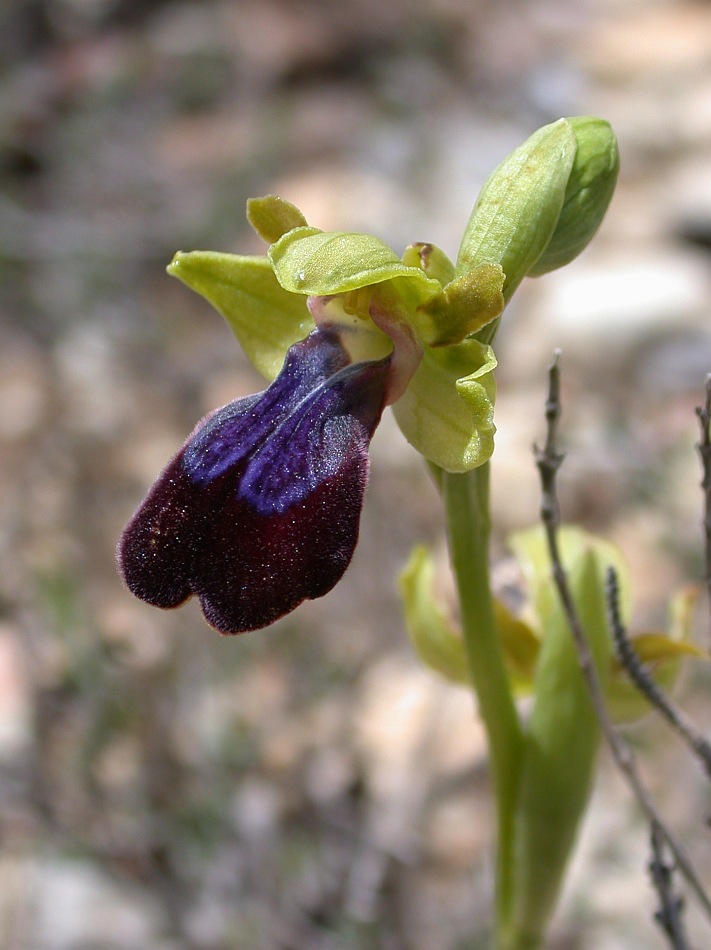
(447, 410)
(518, 208)
(431, 260)
(465, 305)
(433, 637)
(272, 216)
(320, 263)
(588, 194)
(262, 315)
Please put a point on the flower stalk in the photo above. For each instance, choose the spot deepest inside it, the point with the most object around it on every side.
(466, 499)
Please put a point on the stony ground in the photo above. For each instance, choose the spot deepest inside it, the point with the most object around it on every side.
(312, 786)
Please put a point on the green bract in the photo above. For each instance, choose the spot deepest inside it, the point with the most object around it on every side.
(537, 211)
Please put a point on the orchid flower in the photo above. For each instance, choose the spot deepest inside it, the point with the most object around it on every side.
(260, 508)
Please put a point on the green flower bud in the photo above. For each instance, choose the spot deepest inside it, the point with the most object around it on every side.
(540, 208)
(518, 208)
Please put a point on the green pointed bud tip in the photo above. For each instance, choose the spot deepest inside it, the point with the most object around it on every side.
(518, 208)
(430, 259)
(587, 195)
(271, 217)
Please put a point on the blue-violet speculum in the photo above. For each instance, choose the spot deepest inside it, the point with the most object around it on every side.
(260, 508)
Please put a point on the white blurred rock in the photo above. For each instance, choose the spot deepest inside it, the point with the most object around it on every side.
(256, 809)
(599, 309)
(411, 726)
(686, 195)
(515, 485)
(649, 43)
(15, 697)
(63, 904)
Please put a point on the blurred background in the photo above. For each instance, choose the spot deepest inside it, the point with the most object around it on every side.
(311, 786)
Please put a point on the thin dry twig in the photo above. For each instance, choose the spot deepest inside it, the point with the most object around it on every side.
(549, 461)
(669, 916)
(704, 450)
(642, 679)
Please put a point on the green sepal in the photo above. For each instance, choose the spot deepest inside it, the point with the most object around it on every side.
(447, 411)
(272, 216)
(431, 260)
(262, 315)
(433, 637)
(587, 195)
(559, 755)
(518, 208)
(321, 263)
(466, 304)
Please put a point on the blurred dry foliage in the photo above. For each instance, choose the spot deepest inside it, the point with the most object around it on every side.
(310, 787)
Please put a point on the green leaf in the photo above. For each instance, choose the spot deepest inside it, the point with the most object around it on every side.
(262, 315)
(271, 217)
(518, 208)
(560, 750)
(447, 410)
(433, 637)
(587, 195)
(320, 263)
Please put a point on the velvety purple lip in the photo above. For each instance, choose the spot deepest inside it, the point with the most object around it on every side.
(260, 509)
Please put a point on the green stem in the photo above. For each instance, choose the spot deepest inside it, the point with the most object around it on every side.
(466, 499)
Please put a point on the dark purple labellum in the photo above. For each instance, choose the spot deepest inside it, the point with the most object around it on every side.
(260, 508)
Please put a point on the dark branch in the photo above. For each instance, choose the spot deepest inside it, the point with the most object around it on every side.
(548, 461)
(669, 915)
(704, 450)
(642, 679)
